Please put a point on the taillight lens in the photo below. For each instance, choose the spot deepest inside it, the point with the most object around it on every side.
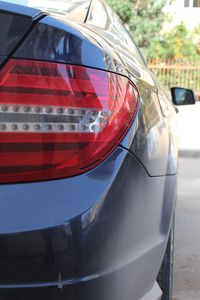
(59, 120)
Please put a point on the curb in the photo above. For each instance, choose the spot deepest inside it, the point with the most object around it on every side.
(189, 153)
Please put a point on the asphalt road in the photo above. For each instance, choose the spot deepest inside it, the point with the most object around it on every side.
(187, 233)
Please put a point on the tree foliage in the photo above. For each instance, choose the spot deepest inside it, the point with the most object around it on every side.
(145, 19)
(176, 44)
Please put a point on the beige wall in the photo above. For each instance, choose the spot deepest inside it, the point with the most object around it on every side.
(190, 15)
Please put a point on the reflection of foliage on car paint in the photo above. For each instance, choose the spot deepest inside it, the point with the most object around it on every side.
(148, 107)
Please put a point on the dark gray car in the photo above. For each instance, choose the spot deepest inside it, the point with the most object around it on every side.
(88, 158)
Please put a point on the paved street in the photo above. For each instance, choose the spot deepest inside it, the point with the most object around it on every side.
(187, 239)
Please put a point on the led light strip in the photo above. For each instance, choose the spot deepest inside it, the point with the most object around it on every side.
(25, 118)
(54, 110)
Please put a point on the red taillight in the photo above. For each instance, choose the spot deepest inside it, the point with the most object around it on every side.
(60, 120)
